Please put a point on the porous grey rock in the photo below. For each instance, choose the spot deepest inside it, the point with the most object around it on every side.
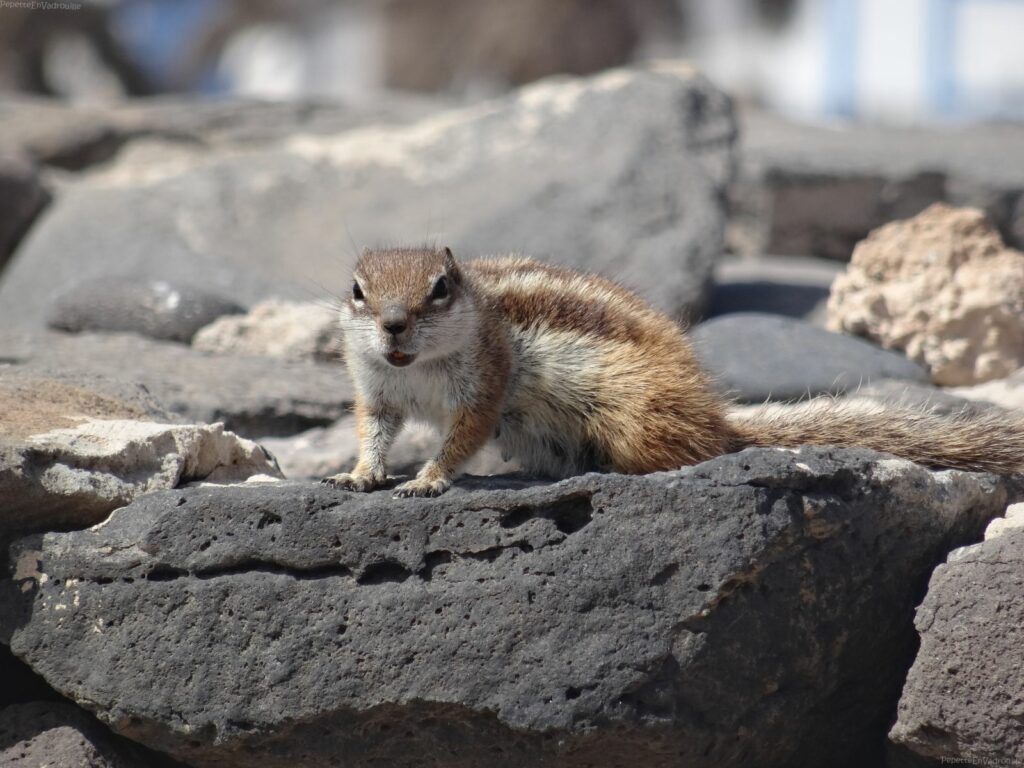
(752, 610)
(963, 699)
(252, 396)
(639, 199)
(294, 330)
(819, 190)
(756, 357)
(324, 451)
(22, 197)
(58, 735)
(153, 308)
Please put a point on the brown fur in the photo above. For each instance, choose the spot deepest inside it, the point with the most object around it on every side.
(573, 370)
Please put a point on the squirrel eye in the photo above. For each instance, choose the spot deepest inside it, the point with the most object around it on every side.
(357, 292)
(440, 289)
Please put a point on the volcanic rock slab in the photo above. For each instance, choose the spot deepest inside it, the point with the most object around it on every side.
(752, 610)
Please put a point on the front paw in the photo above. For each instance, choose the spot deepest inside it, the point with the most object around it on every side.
(422, 487)
(350, 482)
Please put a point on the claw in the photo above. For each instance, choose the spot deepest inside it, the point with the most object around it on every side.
(359, 483)
(420, 487)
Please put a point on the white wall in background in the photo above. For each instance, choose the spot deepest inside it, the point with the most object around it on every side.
(885, 60)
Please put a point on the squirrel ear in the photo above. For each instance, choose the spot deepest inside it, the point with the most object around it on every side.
(450, 266)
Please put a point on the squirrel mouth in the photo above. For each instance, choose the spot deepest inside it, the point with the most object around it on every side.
(399, 359)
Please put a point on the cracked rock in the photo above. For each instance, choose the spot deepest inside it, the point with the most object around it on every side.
(752, 610)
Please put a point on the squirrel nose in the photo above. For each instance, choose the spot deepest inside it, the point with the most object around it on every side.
(394, 320)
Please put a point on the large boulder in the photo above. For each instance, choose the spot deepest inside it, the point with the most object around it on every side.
(964, 698)
(755, 357)
(752, 610)
(941, 287)
(252, 395)
(819, 190)
(553, 171)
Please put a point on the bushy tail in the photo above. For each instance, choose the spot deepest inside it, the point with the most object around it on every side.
(991, 441)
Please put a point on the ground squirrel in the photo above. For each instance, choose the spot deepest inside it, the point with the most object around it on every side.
(571, 372)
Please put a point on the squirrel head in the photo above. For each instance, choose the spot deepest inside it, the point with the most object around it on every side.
(407, 304)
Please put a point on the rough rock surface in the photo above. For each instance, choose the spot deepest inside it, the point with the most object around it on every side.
(753, 610)
(639, 199)
(152, 308)
(77, 475)
(22, 197)
(252, 396)
(942, 288)
(756, 357)
(819, 190)
(290, 329)
(324, 451)
(59, 735)
(964, 696)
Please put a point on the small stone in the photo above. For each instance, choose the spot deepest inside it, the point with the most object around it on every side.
(289, 329)
(154, 308)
